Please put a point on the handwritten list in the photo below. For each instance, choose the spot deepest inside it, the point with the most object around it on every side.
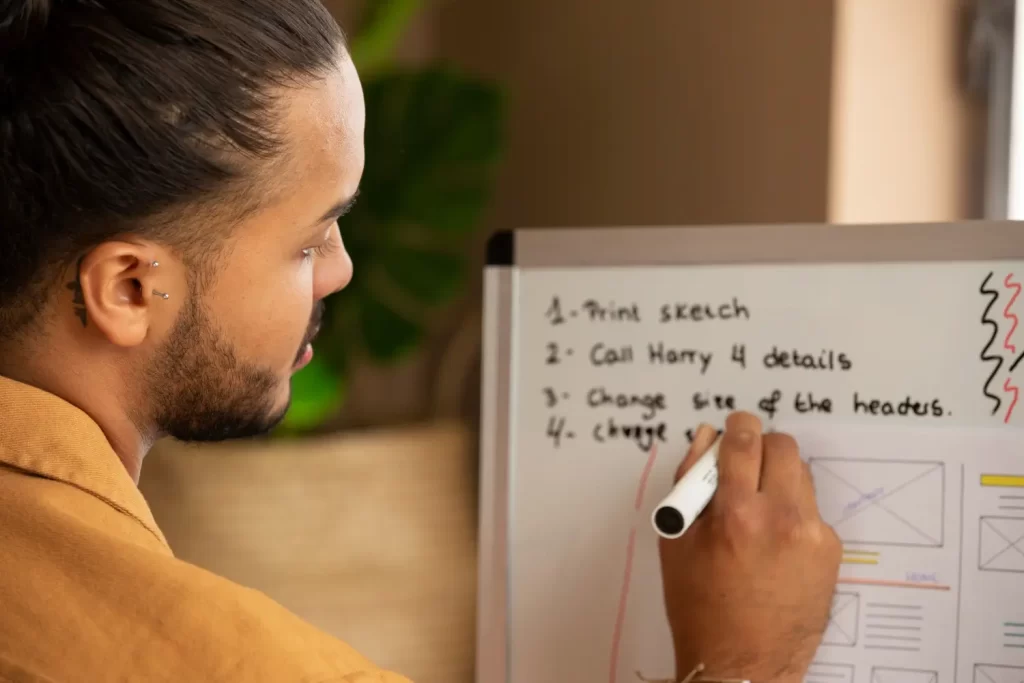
(649, 408)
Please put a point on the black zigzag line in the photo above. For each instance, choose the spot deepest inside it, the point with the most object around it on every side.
(985, 356)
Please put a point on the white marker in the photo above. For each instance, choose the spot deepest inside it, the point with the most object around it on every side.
(688, 498)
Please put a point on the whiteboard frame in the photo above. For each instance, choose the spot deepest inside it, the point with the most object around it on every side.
(523, 249)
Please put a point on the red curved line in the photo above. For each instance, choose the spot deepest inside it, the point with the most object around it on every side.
(620, 617)
(643, 477)
(1010, 389)
(1012, 348)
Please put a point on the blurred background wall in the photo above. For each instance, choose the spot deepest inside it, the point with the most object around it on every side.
(655, 112)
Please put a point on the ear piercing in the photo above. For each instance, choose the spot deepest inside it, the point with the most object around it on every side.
(162, 295)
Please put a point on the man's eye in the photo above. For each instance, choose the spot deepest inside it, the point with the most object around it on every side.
(325, 249)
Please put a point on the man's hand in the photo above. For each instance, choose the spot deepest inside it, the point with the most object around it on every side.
(748, 587)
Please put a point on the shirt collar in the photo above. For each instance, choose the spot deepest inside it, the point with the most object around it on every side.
(46, 436)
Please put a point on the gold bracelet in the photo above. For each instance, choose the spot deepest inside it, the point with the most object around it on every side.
(691, 678)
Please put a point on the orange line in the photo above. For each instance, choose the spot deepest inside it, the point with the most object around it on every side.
(896, 584)
(620, 618)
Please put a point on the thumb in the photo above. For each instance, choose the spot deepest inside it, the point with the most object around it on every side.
(702, 440)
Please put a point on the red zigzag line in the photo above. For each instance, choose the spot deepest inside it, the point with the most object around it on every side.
(1012, 348)
(1010, 389)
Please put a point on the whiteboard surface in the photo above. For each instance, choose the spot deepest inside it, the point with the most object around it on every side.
(584, 586)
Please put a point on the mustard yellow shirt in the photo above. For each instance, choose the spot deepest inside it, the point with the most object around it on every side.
(90, 592)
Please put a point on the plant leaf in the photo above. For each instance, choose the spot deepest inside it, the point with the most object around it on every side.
(442, 206)
(387, 334)
(374, 46)
(429, 276)
(433, 138)
(317, 392)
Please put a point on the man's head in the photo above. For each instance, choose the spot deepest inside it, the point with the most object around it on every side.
(172, 175)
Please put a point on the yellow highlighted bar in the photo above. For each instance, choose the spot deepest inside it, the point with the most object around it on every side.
(860, 560)
(1014, 481)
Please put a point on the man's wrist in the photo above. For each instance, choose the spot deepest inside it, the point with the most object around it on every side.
(736, 673)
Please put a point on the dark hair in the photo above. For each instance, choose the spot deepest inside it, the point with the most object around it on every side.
(115, 115)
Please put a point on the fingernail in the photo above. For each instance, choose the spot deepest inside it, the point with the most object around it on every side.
(745, 437)
(702, 435)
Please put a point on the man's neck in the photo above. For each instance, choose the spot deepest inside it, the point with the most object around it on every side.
(89, 389)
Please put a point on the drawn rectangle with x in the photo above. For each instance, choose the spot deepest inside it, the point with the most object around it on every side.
(882, 502)
(1001, 544)
(843, 620)
(997, 673)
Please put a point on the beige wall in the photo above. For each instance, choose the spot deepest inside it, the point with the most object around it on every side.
(905, 136)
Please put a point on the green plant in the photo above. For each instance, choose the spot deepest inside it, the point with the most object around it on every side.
(433, 140)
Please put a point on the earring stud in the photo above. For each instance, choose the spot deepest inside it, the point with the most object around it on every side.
(162, 295)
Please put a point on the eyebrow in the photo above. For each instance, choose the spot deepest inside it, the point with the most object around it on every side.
(339, 209)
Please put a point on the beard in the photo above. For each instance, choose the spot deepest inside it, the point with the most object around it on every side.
(202, 391)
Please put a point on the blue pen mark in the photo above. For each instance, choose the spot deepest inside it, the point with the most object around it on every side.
(862, 500)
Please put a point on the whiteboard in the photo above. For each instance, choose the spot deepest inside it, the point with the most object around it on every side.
(893, 353)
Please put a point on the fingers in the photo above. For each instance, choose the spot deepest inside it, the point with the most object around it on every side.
(739, 456)
(702, 440)
(785, 475)
(749, 462)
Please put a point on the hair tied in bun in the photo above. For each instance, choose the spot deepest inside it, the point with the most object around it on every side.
(22, 22)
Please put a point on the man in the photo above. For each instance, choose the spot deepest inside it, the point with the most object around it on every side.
(173, 171)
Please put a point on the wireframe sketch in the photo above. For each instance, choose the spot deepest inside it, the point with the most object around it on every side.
(882, 502)
(997, 673)
(820, 672)
(881, 674)
(1001, 544)
(843, 620)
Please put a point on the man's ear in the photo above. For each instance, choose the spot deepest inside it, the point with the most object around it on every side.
(116, 290)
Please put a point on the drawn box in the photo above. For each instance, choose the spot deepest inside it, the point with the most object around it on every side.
(843, 620)
(882, 502)
(1001, 544)
(995, 673)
